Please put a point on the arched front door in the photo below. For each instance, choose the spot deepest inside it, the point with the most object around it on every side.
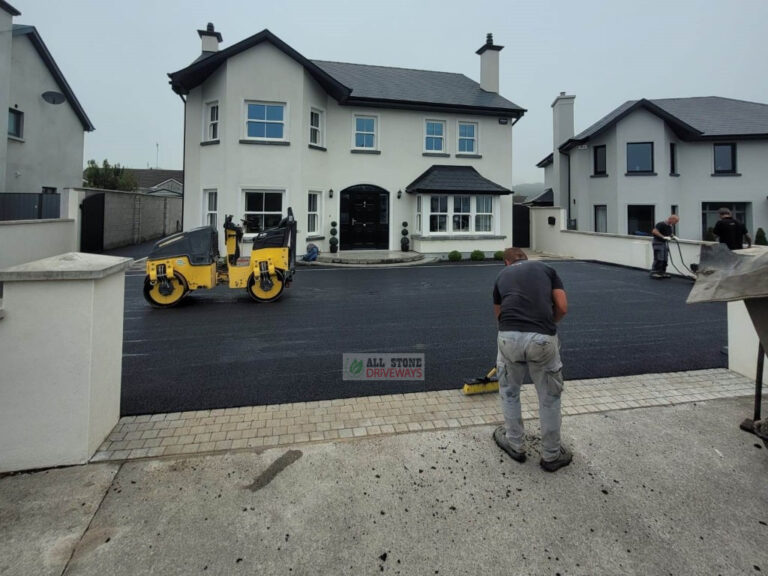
(364, 220)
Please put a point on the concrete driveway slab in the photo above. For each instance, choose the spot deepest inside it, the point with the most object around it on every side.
(664, 490)
(43, 516)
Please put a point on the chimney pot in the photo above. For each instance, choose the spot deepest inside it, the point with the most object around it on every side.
(210, 38)
(489, 65)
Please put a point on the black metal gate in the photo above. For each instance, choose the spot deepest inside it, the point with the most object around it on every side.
(92, 224)
(521, 226)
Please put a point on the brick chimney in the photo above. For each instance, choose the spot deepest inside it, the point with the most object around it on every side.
(489, 65)
(210, 38)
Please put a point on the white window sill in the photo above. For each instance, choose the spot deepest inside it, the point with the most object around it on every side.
(364, 151)
(15, 138)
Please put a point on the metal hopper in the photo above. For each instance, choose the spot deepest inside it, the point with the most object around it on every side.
(725, 276)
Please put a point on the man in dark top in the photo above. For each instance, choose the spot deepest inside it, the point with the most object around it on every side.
(529, 300)
(662, 234)
(730, 231)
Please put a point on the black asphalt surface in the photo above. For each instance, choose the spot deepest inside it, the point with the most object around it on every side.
(219, 349)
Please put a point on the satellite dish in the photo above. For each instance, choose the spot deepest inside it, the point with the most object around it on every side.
(53, 97)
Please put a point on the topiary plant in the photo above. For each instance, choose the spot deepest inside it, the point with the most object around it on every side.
(405, 243)
(760, 238)
(498, 255)
(477, 255)
(454, 256)
(334, 242)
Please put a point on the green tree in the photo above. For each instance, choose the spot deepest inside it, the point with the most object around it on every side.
(108, 177)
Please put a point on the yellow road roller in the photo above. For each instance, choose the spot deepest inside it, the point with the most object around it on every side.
(189, 261)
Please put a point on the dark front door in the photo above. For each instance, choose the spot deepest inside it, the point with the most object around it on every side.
(364, 218)
(92, 224)
(521, 226)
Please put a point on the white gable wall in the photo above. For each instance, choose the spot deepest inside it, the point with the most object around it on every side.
(6, 23)
(51, 153)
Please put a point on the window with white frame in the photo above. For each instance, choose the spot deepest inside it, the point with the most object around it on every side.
(467, 138)
(434, 138)
(460, 214)
(265, 121)
(263, 209)
(211, 121)
(438, 213)
(418, 213)
(462, 208)
(210, 208)
(313, 212)
(365, 132)
(316, 127)
(483, 213)
(15, 123)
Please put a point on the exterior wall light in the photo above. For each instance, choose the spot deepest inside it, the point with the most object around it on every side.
(330, 193)
(399, 194)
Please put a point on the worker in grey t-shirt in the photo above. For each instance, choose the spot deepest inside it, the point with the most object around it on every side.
(529, 300)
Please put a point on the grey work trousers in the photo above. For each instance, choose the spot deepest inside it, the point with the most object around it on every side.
(541, 354)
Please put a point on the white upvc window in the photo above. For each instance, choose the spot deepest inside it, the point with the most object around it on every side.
(313, 212)
(418, 213)
(438, 213)
(365, 133)
(15, 123)
(210, 208)
(462, 211)
(483, 213)
(460, 214)
(434, 136)
(262, 209)
(467, 138)
(316, 135)
(265, 120)
(211, 121)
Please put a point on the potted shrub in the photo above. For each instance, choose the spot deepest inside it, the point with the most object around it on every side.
(477, 255)
(405, 243)
(760, 238)
(334, 242)
(454, 256)
(498, 255)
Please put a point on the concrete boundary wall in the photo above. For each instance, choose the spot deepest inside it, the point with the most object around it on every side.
(634, 251)
(27, 240)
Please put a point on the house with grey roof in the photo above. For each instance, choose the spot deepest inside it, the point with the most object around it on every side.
(157, 181)
(648, 159)
(368, 147)
(45, 123)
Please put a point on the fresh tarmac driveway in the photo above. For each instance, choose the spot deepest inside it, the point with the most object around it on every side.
(219, 349)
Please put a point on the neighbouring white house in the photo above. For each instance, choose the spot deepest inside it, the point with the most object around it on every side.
(648, 159)
(368, 147)
(45, 124)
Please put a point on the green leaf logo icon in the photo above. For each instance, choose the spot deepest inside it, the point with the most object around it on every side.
(356, 367)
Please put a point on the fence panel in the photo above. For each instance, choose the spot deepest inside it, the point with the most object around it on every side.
(28, 206)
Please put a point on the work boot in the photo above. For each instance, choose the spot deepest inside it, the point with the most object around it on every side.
(562, 460)
(656, 275)
(665, 275)
(500, 437)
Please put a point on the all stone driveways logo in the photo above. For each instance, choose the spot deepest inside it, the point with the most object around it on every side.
(405, 366)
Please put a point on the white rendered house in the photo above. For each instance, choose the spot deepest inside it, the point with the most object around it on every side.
(45, 123)
(648, 159)
(368, 147)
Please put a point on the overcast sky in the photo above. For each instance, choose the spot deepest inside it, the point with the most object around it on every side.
(116, 54)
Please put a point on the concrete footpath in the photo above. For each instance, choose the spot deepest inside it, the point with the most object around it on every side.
(677, 489)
